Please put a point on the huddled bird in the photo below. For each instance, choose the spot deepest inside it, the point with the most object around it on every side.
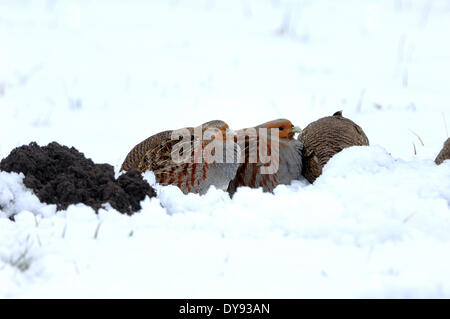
(444, 154)
(197, 168)
(324, 138)
(276, 156)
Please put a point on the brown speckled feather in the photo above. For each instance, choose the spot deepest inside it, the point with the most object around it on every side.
(290, 161)
(326, 137)
(137, 153)
(155, 154)
(444, 154)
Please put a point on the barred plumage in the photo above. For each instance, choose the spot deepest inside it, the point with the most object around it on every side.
(288, 156)
(155, 154)
(444, 154)
(324, 138)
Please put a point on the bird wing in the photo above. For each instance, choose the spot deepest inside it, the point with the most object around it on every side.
(249, 172)
(187, 174)
(137, 152)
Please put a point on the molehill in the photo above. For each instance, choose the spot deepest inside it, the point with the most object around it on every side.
(64, 176)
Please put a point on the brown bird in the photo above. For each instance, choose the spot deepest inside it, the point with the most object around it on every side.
(200, 161)
(326, 137)
(137, 153)
(268, 160)
(444, 154)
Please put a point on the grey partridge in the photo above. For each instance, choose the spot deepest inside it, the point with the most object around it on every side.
(202, 160)
(268, 160)
(324, 138)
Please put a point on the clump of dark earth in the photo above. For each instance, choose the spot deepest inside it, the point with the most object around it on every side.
(64, 176)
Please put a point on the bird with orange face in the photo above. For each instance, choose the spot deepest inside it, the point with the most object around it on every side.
(270, 156)
(191, 158)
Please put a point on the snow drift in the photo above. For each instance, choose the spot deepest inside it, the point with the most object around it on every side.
(368, 226)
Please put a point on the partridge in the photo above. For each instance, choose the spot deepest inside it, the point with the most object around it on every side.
(267, 159)
(135, 155)
(191, 158)
(444, 154)
(324, 138)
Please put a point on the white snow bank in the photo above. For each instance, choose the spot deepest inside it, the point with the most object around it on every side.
(15, 197)
(371, 226)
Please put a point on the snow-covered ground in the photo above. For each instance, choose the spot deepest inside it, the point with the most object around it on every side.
(104, 75)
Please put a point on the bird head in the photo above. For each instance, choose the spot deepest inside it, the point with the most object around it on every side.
(286, 129)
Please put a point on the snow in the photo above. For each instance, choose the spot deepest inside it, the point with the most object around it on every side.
(15, 197)
(104, 75)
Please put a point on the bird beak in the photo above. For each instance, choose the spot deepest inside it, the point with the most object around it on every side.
(296, 129)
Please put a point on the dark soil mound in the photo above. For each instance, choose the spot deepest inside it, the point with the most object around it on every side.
(63, 176)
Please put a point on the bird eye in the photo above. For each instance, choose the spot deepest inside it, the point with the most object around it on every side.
(281, 128)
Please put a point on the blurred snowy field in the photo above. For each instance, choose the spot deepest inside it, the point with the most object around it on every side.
(103, 75)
